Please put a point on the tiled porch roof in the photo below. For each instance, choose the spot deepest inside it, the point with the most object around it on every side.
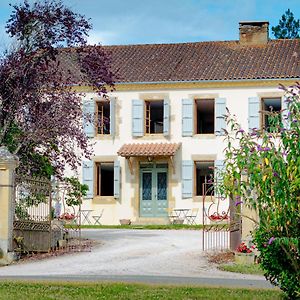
(149, 149)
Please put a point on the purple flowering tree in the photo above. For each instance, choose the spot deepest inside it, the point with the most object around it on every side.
(270, 157)
(40, 111)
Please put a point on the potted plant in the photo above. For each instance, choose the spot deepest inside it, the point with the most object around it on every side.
(244, 254)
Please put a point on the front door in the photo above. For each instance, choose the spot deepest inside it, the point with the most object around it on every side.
(153, 190)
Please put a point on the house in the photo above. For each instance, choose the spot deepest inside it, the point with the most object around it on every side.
(159, 136)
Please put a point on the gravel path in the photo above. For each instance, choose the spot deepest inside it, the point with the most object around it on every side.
(171, 253)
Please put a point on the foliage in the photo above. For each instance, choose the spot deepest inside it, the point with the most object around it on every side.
(271, 160)
(122, 291)
(288, 27)
(40, 112)
(74, 191)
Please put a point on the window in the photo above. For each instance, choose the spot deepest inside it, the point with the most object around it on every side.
(204, 177)
(269, 105)
(154, 117)
(205, 116)
(103, 121)
(105, 179)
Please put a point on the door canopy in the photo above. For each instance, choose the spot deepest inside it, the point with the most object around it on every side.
(149, 150)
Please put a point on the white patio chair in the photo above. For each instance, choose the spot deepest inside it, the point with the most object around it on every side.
(191, 216)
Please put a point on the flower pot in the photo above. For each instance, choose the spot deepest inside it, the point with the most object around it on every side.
(125, 221)
(178, 221)
(244, 258)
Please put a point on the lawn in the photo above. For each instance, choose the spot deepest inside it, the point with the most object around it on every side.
(253, 269)
(88, 291)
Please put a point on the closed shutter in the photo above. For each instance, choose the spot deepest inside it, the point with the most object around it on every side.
(138, 117)
(187, 178)
(187, 117)
(117, 181)
(253, 111)
(112, 104)
(166, 117)
(285, 113)
(220, 112)
(88, 177)
(89, 109)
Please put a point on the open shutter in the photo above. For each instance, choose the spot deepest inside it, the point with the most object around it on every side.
(88, 177)
(285, 113)
(220, 111)
(166, 117)
(187, 117)
(112, 104)
(117, 180)
(187, 178)
(253, 110)
(138, 117)
(89, 109)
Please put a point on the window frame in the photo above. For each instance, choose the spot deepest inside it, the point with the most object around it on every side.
(196, 117)
(97, 113)
(146, 102)
(262, 113)
(97, 181)
(195, 174)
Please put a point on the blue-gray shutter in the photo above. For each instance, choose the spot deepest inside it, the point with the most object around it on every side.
(112, 104)
(166, 117)
(89, 109)
(220, 112)
(117, 177)
(285, 113)
(253, 111)
(138, 117)
(187, 117)
(187, 178)
(88, 177)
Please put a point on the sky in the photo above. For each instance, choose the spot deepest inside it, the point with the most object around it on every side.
(117, 22)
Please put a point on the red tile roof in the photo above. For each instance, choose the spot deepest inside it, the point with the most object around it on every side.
(206, 61)
(202, 61)
(149, 149)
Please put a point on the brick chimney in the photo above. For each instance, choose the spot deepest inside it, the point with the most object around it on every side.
(254, 32)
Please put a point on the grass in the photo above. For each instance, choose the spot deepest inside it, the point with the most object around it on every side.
(253, 269)
(89, 291)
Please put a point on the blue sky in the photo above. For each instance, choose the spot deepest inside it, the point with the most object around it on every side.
(167, 21)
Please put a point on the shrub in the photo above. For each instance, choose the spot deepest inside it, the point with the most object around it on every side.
(270, 160)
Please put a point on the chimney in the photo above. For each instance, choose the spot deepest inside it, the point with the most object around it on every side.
(254, 32)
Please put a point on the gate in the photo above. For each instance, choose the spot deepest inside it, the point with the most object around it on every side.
(220, 220)
(32, 218)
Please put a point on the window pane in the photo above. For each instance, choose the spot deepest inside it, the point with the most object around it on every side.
(154, 116)
(271, 105)
(161, 186)
(147, 186)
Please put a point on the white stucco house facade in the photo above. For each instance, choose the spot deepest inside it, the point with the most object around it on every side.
(158, 137)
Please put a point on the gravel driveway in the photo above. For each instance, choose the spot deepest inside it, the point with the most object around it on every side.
(119, 252)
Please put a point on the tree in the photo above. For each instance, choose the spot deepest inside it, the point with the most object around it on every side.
(271, 160)
(288, 27)
(40, 112)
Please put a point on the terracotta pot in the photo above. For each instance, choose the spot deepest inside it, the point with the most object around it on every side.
(244, 258)
(125, 221)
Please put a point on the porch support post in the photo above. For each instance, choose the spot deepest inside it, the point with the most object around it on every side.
(130, 165)
(172, 163)
(8, 164)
